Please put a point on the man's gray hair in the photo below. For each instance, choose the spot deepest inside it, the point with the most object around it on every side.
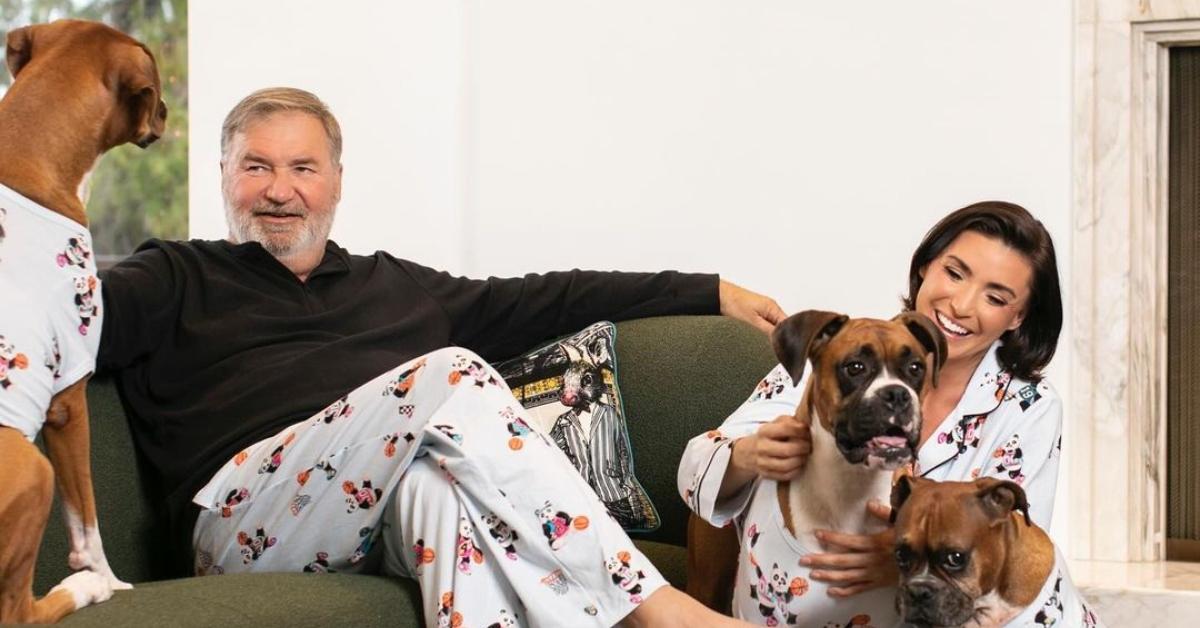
(265, 102)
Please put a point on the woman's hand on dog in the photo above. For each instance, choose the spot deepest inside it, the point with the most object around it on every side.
(777, 452)
(853, 563)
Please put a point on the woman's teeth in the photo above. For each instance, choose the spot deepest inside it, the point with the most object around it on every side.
(950, 326)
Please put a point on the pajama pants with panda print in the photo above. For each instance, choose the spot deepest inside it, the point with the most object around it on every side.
(434, 466)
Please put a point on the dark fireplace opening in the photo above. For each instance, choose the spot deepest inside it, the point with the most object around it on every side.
(1183, 306)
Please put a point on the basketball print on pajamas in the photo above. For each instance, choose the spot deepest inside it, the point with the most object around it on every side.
(1009, 460)
(625, 577)
(474, 371)
(422, 555)
(434, 492)
(340, 409)
(467, 552)
(85, 302)
(361, 497)
(254, 545)
(320, 565)
(272, 462)
(10, 360)
(235, 497)
(556, 524)
(78, 253)
(403, 383)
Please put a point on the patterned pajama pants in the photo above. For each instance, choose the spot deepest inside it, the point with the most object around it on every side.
(434, 466)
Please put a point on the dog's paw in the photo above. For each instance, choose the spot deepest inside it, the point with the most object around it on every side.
(86, 561)
(101, 567)
(86, 587)
(117, 584)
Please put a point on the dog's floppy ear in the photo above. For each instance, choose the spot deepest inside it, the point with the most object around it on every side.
(930, 337)
(802, 335)
(999, 498)
(151, 117)
(18, 49)
(901, 491)
(140, 91)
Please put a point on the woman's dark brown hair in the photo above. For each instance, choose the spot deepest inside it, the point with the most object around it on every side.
(1026, 350)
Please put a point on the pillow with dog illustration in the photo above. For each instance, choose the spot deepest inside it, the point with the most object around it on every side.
(569, 388)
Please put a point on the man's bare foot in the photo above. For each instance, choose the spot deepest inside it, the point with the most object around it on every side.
(669, 606)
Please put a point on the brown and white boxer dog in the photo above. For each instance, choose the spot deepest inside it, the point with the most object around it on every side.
(969, 556)
(863, 405)
(80, 88)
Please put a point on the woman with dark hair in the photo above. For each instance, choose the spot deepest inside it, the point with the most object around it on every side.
(987, 276)
(1023, 351)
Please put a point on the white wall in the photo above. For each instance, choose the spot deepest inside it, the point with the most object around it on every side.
(762, 138)
(798, 148)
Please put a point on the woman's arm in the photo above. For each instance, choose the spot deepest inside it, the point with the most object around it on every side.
(760, 438)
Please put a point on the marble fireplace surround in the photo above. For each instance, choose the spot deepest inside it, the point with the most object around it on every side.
(1118, 287)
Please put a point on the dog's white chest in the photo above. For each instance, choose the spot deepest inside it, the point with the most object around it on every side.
(772, 588)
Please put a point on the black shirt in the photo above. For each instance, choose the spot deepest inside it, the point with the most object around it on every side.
(216, 346)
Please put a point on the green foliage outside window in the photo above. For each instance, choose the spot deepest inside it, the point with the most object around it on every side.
(135, 194)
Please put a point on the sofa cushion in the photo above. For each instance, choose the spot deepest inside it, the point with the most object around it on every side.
(310, 599)
(258, 599)
(581, 369)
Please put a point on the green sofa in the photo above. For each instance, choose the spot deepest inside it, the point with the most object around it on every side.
(680, 376)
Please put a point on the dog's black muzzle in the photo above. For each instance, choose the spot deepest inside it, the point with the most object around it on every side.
(883, 429)
(929, 602)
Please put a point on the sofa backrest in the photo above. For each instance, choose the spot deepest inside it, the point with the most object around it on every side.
(680, 376)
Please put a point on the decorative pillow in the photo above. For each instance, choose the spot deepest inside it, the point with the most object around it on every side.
(569, 388)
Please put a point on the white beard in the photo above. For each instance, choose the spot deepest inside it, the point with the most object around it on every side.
(279, 242)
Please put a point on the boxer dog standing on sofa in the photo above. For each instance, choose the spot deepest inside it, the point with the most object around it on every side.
(969, 556)
(80, 88)
(862, 402)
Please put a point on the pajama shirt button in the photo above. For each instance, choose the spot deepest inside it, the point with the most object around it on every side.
(590, 610)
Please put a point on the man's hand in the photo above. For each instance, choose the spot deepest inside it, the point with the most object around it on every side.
(758, 310)
(856, 562)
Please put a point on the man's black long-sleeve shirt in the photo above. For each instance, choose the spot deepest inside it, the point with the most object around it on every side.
(216, 346)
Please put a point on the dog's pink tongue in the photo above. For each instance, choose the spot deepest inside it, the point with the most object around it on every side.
(889, 441)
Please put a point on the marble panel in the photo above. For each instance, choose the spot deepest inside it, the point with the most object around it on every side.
(1117, 288)
(1166, 9)
(1126, 607)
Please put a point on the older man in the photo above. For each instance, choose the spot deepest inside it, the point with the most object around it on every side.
(300, 403)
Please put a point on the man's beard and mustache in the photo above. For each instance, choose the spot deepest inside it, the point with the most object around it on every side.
(278, 240)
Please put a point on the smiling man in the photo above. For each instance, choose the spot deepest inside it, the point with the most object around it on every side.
(281, 182)
(309, 409)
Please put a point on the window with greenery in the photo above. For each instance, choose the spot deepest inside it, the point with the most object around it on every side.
(134, 194)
